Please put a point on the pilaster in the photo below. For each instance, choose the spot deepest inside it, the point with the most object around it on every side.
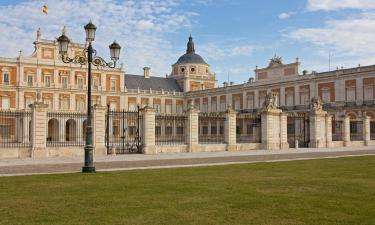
(284, 131)
(329, 143)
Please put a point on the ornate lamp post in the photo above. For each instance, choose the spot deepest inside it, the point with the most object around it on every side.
(88, 57)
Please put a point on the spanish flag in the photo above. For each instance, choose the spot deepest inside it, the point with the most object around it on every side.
(45, 9)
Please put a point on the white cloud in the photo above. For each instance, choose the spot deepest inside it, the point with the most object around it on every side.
(286, 15)
(220, 51)
(350, 39)
(329, 5)
(141, 27)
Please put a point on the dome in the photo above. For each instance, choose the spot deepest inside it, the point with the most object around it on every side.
(191, 56)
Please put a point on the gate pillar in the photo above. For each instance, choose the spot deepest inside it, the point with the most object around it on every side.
(366, 130)
(192, 128)
(39, 129)
(318, 135)
(271, 129)
(284, 131)
(230, 129)
(99, 130)
(149, 147)
(329, 143)
(346, 131)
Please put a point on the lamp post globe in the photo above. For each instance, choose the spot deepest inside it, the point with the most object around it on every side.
(63, 41)
(114, 50)
(90, 29)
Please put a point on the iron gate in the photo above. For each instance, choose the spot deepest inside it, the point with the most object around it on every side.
(124, 131)
(298, 130)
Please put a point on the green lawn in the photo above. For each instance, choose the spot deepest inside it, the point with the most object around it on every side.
(326, 191)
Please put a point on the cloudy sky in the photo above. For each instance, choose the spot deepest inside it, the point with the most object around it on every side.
(232, 35)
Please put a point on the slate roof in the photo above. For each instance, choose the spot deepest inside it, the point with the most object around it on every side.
(190, 56)
(155, 83)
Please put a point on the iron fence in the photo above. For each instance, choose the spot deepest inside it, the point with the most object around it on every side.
(15, 129)
(66, 129)
(372, 130)
(211, 128)
(356, 130)
(298, 129)
(170, 129)
(248, 128)
(124, 131)
(337, 128)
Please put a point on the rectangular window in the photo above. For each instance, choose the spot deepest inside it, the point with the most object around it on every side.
(157, 108)
(4, 131)
(80, 83)
(168, 108)
(80, 105)
(213, 106)
(30, 80)
(47, 101)
(64, 82)
(113, 106)
(6, 78)
(261, 100)
(250, 102)
(132, 106)
(350, 94)
(179, 109)
(5, 102)
(368, 93)
(304, 98)
(64, 104)
(289, 99)
(28, 102)
(326, 95)
(113, 85)
(96, 84)
(47, 81)
(222, 106)
(237, 104)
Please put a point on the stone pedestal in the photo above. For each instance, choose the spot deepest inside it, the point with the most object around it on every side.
(366, 130)
(346, 131)
(149, 147)
(271, 129)
(192, 129)
(99, 130)
(318, 129)
(39, 130)
(230, 130)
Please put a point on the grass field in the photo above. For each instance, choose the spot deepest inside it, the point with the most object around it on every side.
(326, 191)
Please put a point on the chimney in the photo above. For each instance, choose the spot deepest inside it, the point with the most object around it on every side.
(231, 83)
(146, 72)
(225, 84)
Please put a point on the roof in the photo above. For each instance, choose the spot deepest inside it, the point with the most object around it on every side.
(155, 83)
(190, 56)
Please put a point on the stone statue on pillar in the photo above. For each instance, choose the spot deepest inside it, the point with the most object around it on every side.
(270, 101)
(316, 104)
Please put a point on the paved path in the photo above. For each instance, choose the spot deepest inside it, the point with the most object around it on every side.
(13, 167)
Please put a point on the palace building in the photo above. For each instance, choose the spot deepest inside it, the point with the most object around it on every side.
(345, 92)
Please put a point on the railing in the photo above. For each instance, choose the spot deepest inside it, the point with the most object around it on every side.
(211, 128)
(15, 129)
(337, 127)
(170, 129)
(248, 128)
(372, 130)
(66, 129)
(356, 130)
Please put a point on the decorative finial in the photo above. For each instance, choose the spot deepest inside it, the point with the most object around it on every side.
(64, 30)
(38, 34)
(190, 46)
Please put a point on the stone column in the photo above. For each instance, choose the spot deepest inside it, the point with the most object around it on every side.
(230, 129)
(192, 128)
(329, 143)
(346, 131)
(39, 130)
(366, 130)
(149, 147)
(284, 131)
(318, 129)
(271, 129)
(99, 130)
